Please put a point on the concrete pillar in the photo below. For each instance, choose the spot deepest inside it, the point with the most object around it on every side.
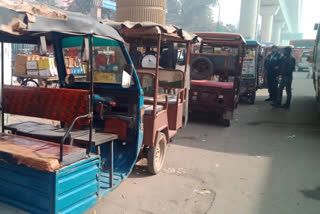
(141, 11)
(276, 33)
(249, 18)
(267, 13)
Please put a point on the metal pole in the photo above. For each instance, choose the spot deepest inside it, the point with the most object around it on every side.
(218, 24)
(2, 83)
(156, 78)
(111, 165)
(91, 91)
(187, 83)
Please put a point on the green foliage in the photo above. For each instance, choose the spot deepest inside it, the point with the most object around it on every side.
(190, 14)
(81, 6)
(195, 16)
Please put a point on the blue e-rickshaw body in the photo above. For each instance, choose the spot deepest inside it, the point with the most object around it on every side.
(76, 187)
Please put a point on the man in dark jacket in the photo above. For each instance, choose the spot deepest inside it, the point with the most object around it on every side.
(286, 70)
(272, 65)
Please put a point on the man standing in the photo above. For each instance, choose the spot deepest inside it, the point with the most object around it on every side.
(287, 67)
(272, 65)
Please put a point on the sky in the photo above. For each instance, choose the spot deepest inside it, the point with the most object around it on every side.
(230, 14)
(230, 11)
(310, 16)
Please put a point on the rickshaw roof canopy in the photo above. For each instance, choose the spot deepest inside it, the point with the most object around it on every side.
(223, 38)
(22, 22)
(253, 42)
(150, 31)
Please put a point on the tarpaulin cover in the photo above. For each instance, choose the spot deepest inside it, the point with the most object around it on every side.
(21, 19)
(160, 29)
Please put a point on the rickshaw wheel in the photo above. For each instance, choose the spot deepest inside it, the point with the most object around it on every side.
(226, 122)
(157, 154)
(252, 98)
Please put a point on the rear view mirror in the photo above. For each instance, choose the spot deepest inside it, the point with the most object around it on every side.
(126, 76)
(43, 46)
(310, 58)
(316, 26)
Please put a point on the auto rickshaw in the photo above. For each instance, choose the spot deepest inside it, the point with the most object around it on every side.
(153, 49)
(216, 66)
(67, 169)
(249, 82)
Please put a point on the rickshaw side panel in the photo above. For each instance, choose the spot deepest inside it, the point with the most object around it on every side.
(175, 115)
(71, 189)
(35, 188)
(249, 82)
(207, 99)
(152, 126)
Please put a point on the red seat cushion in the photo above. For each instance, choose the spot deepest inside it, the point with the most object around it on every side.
(210, 83)
(48, 103)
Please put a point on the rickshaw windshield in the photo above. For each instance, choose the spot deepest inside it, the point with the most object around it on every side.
(251, 51)
(108, 60)
(208, 48)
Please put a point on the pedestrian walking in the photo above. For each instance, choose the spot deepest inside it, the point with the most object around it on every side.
(286, 71)
(272, 65)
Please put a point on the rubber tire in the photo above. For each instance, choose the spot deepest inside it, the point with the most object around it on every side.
(252, 98)
(226, 122)
(154, 167)
(203, 74)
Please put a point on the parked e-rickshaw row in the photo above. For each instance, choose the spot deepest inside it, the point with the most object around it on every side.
(125, 106)
(316, 66)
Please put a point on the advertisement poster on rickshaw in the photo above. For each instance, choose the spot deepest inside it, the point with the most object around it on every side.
(248, 67)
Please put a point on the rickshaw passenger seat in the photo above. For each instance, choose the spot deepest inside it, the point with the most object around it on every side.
(149, 108)
(48, 103)
(172, 99)
(37, 154)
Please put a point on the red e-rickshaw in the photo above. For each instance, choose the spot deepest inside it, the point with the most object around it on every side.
(153, 49)
(216, 67)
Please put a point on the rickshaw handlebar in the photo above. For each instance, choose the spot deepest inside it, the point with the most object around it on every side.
(87, 116)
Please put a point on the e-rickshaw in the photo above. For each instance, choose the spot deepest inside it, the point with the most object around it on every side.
(249, 82)
(67, 169)
(216, 68)
(164, 85)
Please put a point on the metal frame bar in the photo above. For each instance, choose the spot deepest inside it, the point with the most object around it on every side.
(68, 132)
(2, 84)
(187, 85)
(156, 78)
(111, 165)
(90, 114)
(90, 37)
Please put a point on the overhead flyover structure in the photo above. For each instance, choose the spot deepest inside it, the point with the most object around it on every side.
(280, 20)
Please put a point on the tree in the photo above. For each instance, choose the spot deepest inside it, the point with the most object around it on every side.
(81, 6)
(108, 14)
(174, 12)
(191, 15)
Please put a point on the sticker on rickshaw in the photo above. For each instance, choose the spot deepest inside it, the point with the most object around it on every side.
(248, 66)
(105, 77)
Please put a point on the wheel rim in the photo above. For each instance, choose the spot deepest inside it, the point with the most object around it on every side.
(159, 154)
